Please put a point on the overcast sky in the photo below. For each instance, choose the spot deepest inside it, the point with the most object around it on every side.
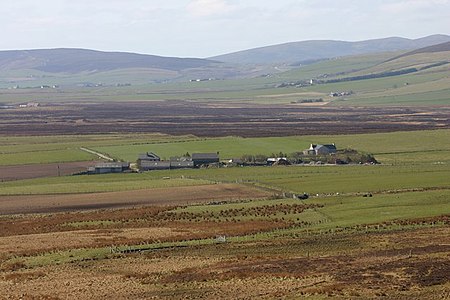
(203, 28)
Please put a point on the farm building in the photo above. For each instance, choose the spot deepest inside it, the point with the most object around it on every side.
(149, 156)
(278, 161)
(205, 158)
(147, 165)
(320, 149)
(110, 167)
(165, 165)
(146, 159)
(150, 161)
(181, 164)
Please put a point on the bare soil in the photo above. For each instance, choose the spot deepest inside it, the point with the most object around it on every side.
(18, 172)
(160, 196)
(217, 119)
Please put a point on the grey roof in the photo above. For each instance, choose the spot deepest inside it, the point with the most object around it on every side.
(329, 147)
(154, 165)
(181, 164)
(148, 163)
(148, 156)
(109, 165)
(200, 156)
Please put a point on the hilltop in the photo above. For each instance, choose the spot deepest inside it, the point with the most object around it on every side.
(297, 52)
(79, 60)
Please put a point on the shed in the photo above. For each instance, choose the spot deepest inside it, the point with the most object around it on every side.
(110, 167)
(149, 156)
(154, 165)
(186, 164)
(205, 158)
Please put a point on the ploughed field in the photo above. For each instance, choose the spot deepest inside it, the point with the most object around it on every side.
(20, 204)
(17, 172)
(216, 119)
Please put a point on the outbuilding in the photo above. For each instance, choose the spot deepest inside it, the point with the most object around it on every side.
(205, 158)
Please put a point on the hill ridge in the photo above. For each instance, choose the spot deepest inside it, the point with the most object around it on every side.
(443, 47)
(294, 52)
(73, 60)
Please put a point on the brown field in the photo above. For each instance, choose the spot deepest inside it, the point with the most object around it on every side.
(18, 172)
(159, 196)
(216, 119)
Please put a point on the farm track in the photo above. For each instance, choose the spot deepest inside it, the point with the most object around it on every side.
(158, 196)
(100, 155)
(208, 119)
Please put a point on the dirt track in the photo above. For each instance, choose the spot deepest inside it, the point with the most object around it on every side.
(161, 196)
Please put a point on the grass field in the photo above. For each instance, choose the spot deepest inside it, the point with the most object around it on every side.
(408, 147)
(416, 147)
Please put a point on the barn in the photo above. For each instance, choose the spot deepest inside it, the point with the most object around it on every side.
(205, 158)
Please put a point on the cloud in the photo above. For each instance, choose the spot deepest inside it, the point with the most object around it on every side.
(413, 5)
(206, 8)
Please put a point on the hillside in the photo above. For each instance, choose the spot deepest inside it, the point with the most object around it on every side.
(81, 60)
(430, 49)
(418, 78)
(320, 49)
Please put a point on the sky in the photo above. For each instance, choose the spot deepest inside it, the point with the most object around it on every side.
(204, 28)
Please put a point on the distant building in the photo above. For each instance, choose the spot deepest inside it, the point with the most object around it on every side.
(205, 158)
(110, 167)
(29, 104)
(181, 164)
(277, 161)
(150, 161)
(144, 160)
(236, 162)
(149, 156)
(320, 149)
(148, 165)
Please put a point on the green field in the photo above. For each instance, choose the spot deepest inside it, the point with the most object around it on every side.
(93, 184)
(415, 147)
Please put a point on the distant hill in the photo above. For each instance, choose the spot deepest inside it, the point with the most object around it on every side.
(430, 49)
(321, 49)
(80, 60)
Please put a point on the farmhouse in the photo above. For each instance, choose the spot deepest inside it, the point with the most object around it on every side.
(320, 149)
(205, 158)
(110, 167)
